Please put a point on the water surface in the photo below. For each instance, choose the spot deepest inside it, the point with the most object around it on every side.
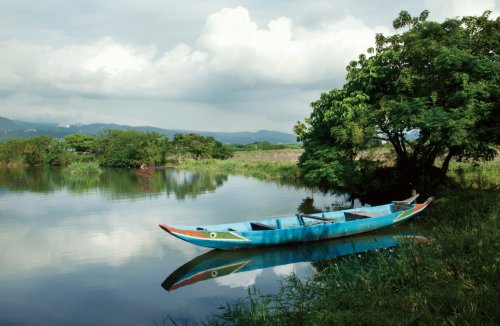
(90, 251)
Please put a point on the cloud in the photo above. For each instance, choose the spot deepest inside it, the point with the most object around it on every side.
(231, 68)
(442, 9)
(282, 53)
(231, 51)
(104, 67)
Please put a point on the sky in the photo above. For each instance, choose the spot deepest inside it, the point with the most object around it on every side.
(194, 65)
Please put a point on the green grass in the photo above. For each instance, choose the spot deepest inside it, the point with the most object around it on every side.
(453, 280)
(264, 170)
(477, 176)
(83, 169)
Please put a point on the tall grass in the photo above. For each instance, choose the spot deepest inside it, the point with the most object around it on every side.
(452, 281)
(478, 176)
(264, 170)
(83, 169)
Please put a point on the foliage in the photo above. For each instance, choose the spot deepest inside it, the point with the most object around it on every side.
(129, 148)
(57, 154)
(79, 143)
(199, 147)
(12, 152)
(117, 148)
(440, 79)
(34, 151)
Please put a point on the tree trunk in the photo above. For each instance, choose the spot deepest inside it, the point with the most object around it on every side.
(446, 163)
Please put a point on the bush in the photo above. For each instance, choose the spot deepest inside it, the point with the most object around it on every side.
(83, 168)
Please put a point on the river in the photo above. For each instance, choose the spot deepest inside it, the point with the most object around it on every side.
(89, 250)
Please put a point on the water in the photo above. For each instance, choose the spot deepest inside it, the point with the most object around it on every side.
(90, 251)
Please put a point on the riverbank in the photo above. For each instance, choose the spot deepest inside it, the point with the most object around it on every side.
(452, 280)
(276, 165)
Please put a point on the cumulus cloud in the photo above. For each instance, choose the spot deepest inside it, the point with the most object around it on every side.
(104, 67)
(231, 45)
(240, 69)
(282, 53)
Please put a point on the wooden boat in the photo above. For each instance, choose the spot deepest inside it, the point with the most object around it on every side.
(299, 228)
(217, 263)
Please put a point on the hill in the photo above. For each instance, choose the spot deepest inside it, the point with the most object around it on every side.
(20, 129)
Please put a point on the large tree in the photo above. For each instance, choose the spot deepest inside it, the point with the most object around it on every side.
(439, 80)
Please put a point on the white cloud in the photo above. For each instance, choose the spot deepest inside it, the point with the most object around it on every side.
(240, 69)
(230, 45)
(104, 67)
(442, 9)
(282, 53)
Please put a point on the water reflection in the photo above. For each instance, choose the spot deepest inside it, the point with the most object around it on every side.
(118, 183)
(71, 255)
(227, 264)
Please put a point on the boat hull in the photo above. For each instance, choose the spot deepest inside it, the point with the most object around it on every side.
(218, 263)
(231, 237)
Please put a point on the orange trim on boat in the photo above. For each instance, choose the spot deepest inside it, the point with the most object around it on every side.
(190, 233)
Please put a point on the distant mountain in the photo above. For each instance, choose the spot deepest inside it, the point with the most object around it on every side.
(20, 129)
(6, 124)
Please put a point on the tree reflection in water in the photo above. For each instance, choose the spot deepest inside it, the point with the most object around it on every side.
(119, 183)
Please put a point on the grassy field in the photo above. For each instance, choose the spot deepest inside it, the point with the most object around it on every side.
(453, 281)
(276, 165)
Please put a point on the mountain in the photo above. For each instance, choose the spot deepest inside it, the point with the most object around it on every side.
(20, 129)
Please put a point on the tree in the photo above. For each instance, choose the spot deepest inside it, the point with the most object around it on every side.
(79, 143)
(199, 147)
(437, 79)
(130, 148)
(36, 149)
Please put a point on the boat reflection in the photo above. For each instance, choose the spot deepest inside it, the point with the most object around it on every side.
(218, 263)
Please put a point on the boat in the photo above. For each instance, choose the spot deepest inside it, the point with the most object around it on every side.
(298, 228)
(218, 263)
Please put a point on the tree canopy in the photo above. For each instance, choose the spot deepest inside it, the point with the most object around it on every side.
(130, 148)
(199, 147)
(439, 80)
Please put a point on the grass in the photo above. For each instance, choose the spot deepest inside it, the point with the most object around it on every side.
(476, 176)
(453, 281)
(280, 165)
(83, 169)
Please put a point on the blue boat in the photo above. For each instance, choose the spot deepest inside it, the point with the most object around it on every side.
(298, 228)
(217, 263)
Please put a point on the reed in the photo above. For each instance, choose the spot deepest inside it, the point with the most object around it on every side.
(83, 169)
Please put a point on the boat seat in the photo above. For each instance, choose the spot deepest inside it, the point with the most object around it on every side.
(314, 217)
(261, 227)
(351, 216)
